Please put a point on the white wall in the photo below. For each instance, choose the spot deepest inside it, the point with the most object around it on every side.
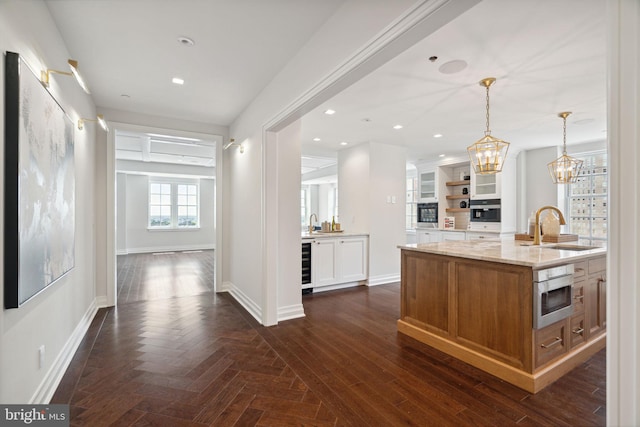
(623, 284)
(387, 220)
(370, 176)
(121, 213)
(56, 318)
(133, 213)
(289, 241)
(539, 187)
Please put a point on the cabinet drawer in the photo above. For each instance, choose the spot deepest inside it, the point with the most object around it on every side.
(580, 269)
(597, 264)
(578, 296)
(550, 342)
(577, 330)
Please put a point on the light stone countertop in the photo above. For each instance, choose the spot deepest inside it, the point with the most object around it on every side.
(506, 251)
(321, 235)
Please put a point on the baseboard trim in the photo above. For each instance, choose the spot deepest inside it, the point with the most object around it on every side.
(52, 379)
(338, 286)
(290, 312)
(384, 280)
(167, 249)
(246, 302)
(101, 302)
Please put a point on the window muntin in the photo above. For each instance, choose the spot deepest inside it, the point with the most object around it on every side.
(159, 205)
(587, 200)
(173, 205)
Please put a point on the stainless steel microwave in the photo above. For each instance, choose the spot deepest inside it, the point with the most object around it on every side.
(484, 210)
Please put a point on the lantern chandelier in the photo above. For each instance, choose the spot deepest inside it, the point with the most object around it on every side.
(487, 154)
(565, 169)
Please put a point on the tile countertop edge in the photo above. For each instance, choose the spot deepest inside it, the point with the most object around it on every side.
(332, 235)
(505, 252)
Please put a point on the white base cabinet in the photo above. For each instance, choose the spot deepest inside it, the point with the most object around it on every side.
(339, 260)
(428, 236)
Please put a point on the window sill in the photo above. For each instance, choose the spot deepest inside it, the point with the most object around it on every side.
(173, 229)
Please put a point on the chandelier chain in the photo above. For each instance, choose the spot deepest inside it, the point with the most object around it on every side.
(564, 135)
(488, 131)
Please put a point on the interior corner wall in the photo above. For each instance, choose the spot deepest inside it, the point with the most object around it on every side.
(57, 317)
(354, 185)
(540, 189)
(387, 206)
(289, 241)
(121, 214)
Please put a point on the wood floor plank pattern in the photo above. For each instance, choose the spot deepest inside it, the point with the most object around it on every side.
(202, 360)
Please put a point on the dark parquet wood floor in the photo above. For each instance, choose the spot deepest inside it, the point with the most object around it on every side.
(164, 275)
(203, 360)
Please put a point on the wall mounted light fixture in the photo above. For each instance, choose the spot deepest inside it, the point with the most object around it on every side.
(73, 66)
(100, 119)
(232, 143)
(487, 154)
(565, 169)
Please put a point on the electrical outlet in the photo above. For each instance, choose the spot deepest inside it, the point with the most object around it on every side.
(41, 357)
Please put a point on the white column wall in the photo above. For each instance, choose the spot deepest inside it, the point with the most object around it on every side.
(57, 317)
(623, 282)
(289, 242)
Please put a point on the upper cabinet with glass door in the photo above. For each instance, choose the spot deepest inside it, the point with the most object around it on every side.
(485, 186)
(428, 187)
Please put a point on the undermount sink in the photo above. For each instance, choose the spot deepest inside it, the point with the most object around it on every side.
(571, 247)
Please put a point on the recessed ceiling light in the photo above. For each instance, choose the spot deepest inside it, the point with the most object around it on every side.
(329, 111)
(186, 41)
(317, 139)
(177, 80)
(396, 127)
(437, 135)
(453, 67)
(442, 155)
(343, 143)
(124, 95)
(366, 119)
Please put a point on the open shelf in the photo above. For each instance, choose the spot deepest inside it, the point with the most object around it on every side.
(456, 210)
(457, 196)
(454, 183)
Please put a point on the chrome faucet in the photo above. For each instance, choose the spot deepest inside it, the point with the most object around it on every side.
(536, 234)
(311, 224)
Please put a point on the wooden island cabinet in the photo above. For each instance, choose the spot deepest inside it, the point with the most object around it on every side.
(474, 300)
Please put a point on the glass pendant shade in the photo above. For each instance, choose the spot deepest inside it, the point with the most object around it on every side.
(487, 154)
(565, 169)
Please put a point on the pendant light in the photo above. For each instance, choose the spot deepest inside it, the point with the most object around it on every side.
(487, 154)
(565, 169)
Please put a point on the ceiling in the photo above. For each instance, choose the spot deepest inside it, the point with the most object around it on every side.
(128, 51)
(548, 56)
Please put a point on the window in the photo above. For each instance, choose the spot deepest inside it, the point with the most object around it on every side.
(303, 207)
(173, 205)
(187, 205)
(587, 200)
(159, 205)
(412, 200)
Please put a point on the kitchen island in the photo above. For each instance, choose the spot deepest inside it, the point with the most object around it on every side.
(474, 300)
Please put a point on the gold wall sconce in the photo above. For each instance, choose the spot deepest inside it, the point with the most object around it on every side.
(232, 143)
(73, 66)
(100, 119)
(487, 154)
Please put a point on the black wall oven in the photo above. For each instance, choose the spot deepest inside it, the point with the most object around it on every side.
(484, 210)
(428, 214)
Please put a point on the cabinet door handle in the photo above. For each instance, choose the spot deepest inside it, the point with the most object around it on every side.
(579, 269)
(578, 297)
(480, 237)
(578, 331)
(555, 342)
